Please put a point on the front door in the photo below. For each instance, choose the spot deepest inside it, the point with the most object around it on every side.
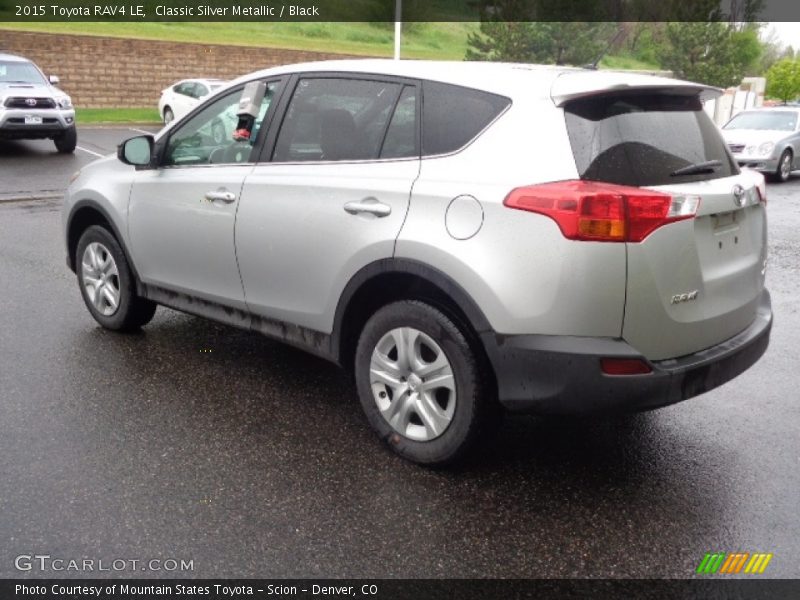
(182, 214)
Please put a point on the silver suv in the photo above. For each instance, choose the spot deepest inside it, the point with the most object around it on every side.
(462, 237)
(32, 107)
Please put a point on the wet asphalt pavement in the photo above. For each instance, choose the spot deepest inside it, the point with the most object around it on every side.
(33, 168)
(199, 442)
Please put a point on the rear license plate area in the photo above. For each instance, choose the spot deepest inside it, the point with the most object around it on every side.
(725, 222)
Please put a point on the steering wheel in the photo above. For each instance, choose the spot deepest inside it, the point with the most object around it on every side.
(238, 152)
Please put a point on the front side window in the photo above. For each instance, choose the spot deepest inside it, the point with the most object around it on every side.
(333, 119)
(207, 137)
(184, 89)
(200, 90)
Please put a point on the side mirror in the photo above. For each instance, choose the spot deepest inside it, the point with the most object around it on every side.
(54, 80)
(136, 151)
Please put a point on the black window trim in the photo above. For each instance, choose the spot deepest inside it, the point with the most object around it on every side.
(261, 136)
(268, 149)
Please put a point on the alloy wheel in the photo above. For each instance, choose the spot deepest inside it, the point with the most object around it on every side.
(100, 278)
(786, 166)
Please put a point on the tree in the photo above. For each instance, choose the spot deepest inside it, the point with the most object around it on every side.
(747, 48)
(713, 53)
(783, 80)
(560, 43)
(772, 50)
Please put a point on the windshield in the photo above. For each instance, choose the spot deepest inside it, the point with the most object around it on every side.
(646, 139)
(784, 120)
(20, 72)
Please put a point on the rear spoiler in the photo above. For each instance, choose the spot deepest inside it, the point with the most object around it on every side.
(572, 85)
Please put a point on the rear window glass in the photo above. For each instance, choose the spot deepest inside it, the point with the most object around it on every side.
(453, 115)
(642, 140)
(783, 120)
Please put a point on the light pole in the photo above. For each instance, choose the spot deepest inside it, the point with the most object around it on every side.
(398, 27)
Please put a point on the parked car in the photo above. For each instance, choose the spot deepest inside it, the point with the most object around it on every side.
(182, 96)
(462, 237)
(767, 140)
(32, 107)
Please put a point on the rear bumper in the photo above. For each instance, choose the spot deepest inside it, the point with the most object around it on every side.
(561, 375)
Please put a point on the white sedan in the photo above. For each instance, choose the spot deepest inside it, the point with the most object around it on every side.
(181, 97)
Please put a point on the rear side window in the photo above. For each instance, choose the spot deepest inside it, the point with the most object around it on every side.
(336, 119)
(643, 139)
(401, 137)
(452, 116)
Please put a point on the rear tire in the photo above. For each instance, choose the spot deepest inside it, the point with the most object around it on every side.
(67, 141)
(107, 284)
(421, 385)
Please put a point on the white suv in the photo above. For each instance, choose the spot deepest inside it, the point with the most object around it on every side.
(32, 107)
(462, 237)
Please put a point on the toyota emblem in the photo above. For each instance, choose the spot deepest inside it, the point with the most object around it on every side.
(30, 101)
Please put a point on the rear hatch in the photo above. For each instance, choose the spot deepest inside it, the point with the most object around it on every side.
(694, 282)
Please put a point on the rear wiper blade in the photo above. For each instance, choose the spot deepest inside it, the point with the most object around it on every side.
(703, 167)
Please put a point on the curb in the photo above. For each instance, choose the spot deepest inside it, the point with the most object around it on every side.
(31, 197)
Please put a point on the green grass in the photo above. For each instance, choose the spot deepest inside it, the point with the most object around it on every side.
(88, 116)
(444, 41)
(435, 40)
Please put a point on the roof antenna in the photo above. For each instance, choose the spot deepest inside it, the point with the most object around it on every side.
(593, 66)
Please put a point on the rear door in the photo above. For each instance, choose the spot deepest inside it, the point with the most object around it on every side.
(333, 197)
(696, 282)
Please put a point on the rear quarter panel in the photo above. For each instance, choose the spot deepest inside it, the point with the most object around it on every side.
(520, 270)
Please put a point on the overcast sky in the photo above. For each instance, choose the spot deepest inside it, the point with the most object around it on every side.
(788, 33)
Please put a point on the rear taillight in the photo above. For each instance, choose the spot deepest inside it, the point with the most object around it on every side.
(761, 188)
(603, 212)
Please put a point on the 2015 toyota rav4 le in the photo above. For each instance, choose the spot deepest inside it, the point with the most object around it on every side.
(461, 236)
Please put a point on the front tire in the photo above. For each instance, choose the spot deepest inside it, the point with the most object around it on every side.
(67, 141)
(421, 384)
(107, 283)
(169, 116)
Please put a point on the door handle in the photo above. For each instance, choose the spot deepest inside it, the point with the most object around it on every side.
(222, 196)
(369, 206)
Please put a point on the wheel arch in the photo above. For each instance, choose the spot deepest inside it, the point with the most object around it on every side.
(390, 280)
(84, 214)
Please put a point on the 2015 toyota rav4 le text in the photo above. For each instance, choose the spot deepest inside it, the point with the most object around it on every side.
(462, 237)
